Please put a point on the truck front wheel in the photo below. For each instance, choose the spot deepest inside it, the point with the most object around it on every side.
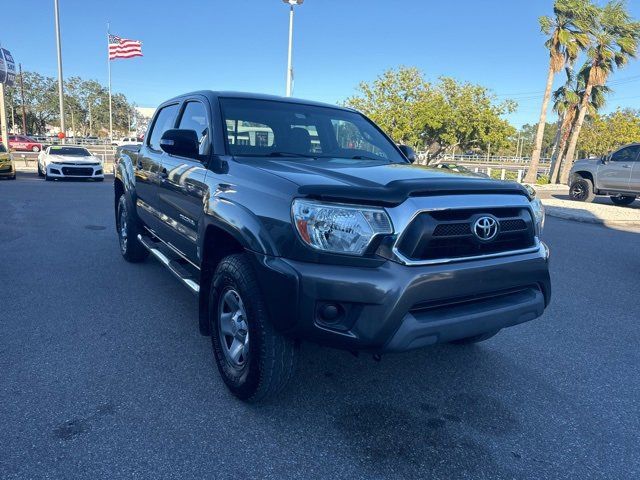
(582, 190)
(254, 360)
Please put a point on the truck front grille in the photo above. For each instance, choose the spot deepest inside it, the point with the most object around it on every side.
(448, 234)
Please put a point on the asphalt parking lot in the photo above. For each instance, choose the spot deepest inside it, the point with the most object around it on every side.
(103, 372)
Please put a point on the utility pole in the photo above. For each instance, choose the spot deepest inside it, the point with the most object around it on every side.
(60, 78)
(13, 119)
(73, 125)
(24, 110)
(90, 119)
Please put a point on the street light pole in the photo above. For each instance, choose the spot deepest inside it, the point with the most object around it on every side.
(60, 81)
(291, 4)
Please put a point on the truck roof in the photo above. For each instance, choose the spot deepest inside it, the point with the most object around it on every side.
(211, 94)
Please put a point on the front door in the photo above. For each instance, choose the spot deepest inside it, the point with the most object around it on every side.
(148, 167)
(615, 174)
(183, 184)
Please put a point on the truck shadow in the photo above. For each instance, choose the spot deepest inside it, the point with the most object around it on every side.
(412, 414)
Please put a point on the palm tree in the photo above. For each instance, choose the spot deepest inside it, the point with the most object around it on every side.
(615, 40)
(567, 37)
(565, 105)
(567, 101)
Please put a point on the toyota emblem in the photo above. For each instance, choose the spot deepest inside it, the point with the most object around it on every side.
(485, 228)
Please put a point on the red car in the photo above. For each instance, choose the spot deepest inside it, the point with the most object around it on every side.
(23, 143)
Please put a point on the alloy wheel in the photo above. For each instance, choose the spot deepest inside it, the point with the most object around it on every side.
(124, 234)
(233, 329)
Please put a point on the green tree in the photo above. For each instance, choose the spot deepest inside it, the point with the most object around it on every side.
(434, 117)
(615, 37)
(567, 36)
(603, 133)
(41, 100)
(395, 101)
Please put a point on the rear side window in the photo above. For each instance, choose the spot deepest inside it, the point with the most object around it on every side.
(165, 120)
(194, 117)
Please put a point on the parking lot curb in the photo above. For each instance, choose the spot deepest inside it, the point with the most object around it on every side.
(565, 214)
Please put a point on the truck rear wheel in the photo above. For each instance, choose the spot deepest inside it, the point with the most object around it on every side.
(476, 338)
(254, 360)
(623, 199)
(127, 227)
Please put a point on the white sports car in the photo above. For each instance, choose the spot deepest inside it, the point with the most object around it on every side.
(62, 161)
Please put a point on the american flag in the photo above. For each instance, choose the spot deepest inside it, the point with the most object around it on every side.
(124, 48)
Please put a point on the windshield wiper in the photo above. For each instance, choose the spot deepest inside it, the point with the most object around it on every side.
(289, 154)
(364, 157)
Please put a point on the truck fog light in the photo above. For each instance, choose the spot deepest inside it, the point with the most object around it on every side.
(329, 312)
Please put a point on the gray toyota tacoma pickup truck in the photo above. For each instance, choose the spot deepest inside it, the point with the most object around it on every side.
(295, 221)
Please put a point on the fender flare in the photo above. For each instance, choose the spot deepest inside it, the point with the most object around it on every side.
(239, 222)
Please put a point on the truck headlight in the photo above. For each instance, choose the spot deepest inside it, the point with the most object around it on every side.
(338, 228)
(538, 214)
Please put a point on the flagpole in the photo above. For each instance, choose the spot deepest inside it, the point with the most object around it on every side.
(110, 107)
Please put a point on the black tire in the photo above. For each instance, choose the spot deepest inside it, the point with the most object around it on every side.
(581, 190)
(47, 178)
(13, 177)
(35, 149)
(130, 248)
(270, 359)
(40, 173)
(623, 199)
(476, 338)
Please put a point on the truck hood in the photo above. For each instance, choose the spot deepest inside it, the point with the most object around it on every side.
(375, 182)
(586, 163)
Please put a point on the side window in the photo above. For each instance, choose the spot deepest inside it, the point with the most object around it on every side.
(194, 117)
(164, 121)
(627, 154)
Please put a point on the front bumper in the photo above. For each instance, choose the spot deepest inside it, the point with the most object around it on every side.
(7, 170)
(396, 307)
(55, 170)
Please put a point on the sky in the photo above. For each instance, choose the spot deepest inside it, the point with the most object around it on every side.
(242, 45)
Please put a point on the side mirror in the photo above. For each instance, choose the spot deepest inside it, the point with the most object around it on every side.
(408, 152)
(183, 143)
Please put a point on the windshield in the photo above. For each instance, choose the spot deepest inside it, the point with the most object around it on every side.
(270, 128)
(71, 151)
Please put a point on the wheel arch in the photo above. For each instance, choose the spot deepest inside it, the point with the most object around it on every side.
(585, 174)
(217, 243)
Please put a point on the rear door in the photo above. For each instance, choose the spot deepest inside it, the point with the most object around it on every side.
(615, 175)
(148, 166)
(183, 187)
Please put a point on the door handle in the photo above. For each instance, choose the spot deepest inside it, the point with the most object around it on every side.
(626, 166)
